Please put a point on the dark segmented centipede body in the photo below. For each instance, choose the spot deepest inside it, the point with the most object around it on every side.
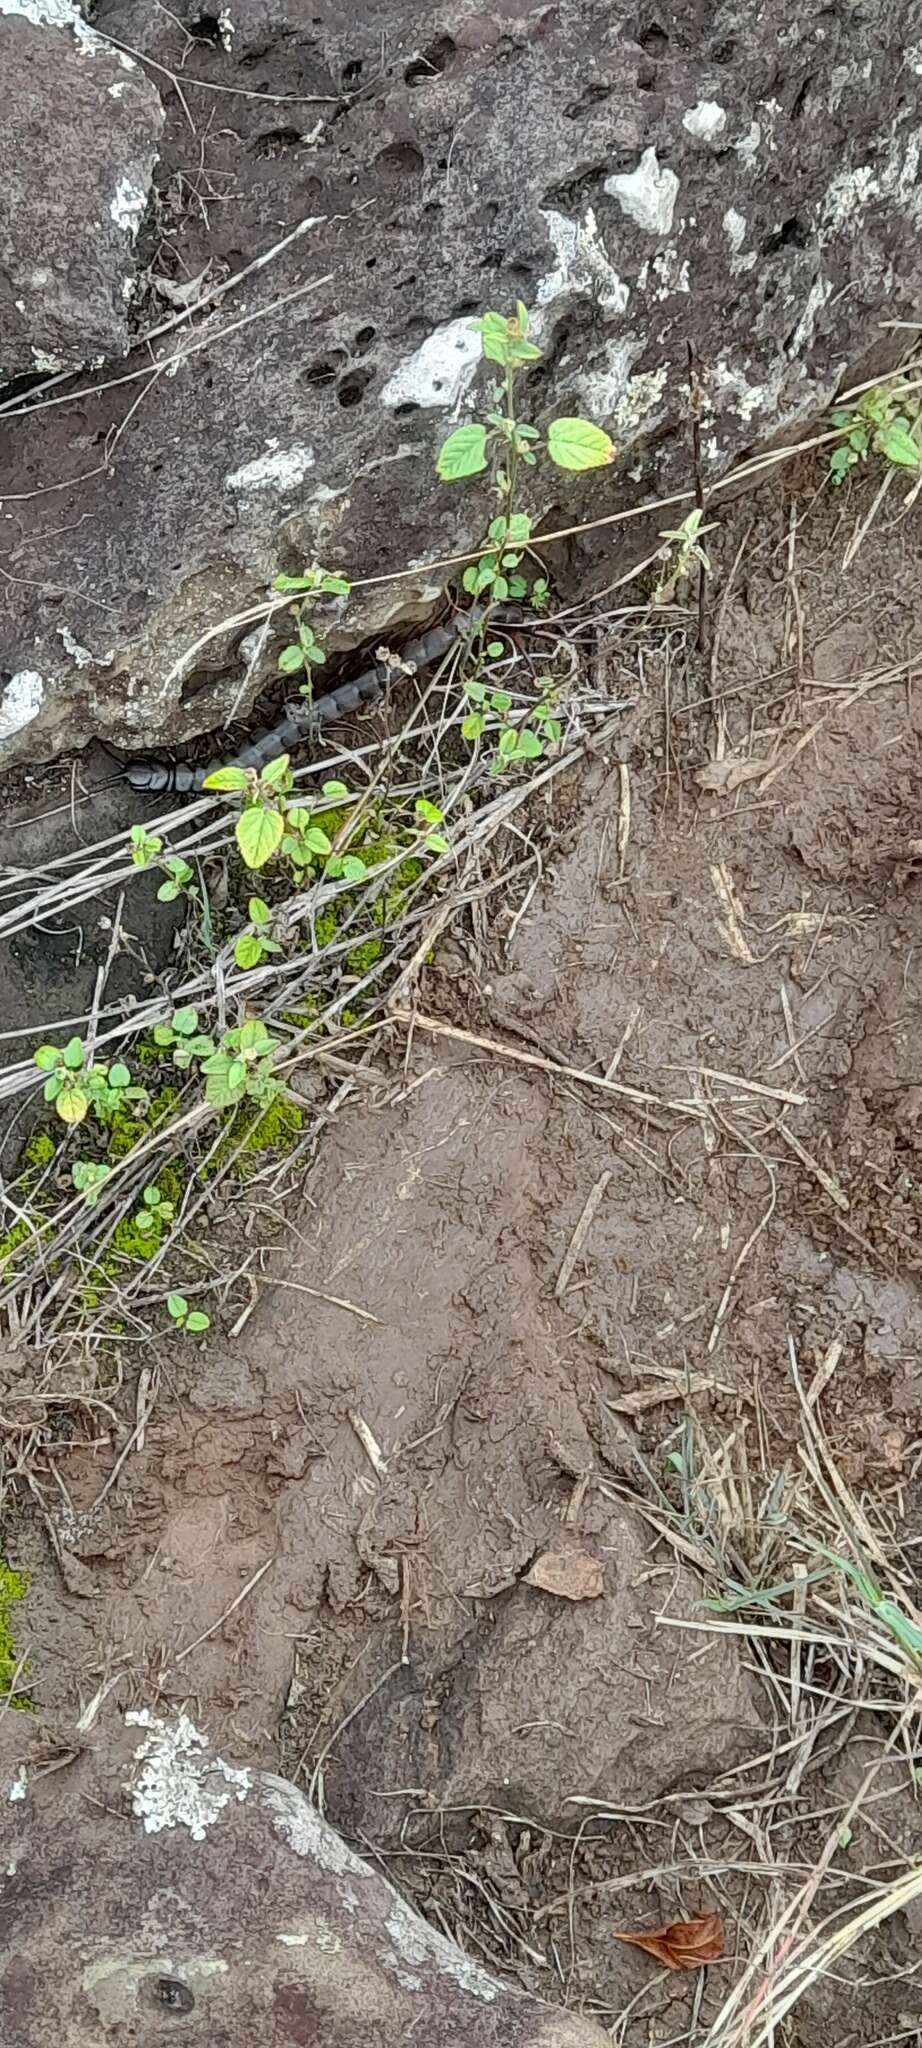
(177, 778)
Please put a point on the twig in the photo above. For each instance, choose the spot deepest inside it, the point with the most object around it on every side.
(580, 1234)
(238, 1600)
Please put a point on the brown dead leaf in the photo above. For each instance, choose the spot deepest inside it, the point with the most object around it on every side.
(686, 1945)
(572, 1574)
(723, 777)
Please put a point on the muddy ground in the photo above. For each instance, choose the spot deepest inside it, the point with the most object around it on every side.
(452, 1367)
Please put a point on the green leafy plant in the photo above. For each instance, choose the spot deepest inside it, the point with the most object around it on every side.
(260, 828)
(74, 1087)
(241, 1067)
(502, 444)
(256, 944)
(524, 736)
(87, 1176)
(304, 652)
(155, 1212)
(179, 879)
(681, 552)
(183, 1037)
(427, 815)
(144, 848)
(192, 1320)
(874, 425)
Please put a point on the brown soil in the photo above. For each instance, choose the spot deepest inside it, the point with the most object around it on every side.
(417, 1408)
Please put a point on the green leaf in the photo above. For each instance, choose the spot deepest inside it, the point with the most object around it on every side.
(73, 1053)
(163, 1034)
(259, 910)
(517, 586)
(197, 1320)
(840, 462)
(577, 444)
(495, 338)
(46, 1057)
(529, 746)
(335, 586)
(495, 649)
(119, 1076)
(168, 892)
(315, 654)
(177, 1306)
(463, 454)
(430, 813)
(437, 844)
(475, 691)
(501, 701)
(316, 841)
(185, 1021)
(897, 444)
(253, 1036)
(353, 868)
(508, 742)
(52, 1087)
(276, 770)
(227, 778)
(258, 833)
(72, 1104)
(500, 589)
(469, 579)
(248, 950)
(291, 660)
(151, 1198)
(472, 726)
(335, 789)
(293, 583)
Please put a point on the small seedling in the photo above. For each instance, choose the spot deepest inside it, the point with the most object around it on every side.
(87, 1176)
(681, 551)
(183, 1036)
(255, 944)
(501, 443)
(242, 1067)
(155, 1213)
(144, 848)
(74, 1087)
(427, 815)
(179, 878)
(876, 426)
(185, 1318)
(260, 828)
(305, 652)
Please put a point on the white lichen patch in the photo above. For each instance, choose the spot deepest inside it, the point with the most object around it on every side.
(734, 226)
(706, 121)
(226, 30)
(417, 1944)
(648, 195)
(307, 1834)
(83, 656)
(127, 207)
(63, 14)
(668, 273)
(583, 267)
(279, 469)
(803, 336)
(748, 146)
(45, 360)
(20, 701)
(19, 1787)
(178, 1782)
(439, 372)
(737, 394)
